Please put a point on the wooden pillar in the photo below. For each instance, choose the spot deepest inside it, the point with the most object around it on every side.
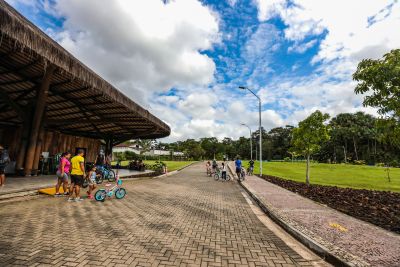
(38, 118)
(109, 146)
(25, 130)
(38, 151)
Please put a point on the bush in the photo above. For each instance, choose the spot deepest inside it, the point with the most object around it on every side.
(287, 159)
(380, 164)
(394, 163)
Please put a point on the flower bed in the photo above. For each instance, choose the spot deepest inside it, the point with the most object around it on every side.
(381, 208)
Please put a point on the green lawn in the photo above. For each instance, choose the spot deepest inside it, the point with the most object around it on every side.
(171, 165)
(362, 177)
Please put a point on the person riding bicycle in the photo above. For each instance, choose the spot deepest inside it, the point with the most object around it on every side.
(251, 166)
(214, 165)
(238, 165)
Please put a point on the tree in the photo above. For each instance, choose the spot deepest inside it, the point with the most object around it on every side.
(381, 79)
(144, 145)
(309, 135)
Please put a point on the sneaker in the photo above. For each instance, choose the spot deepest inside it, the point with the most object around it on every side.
(91, 197)
(57, 194)
(66, 194)
(70, 199)
(78, 199)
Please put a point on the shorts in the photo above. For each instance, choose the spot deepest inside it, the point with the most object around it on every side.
(238, 170)
(63, 178)
(92, 182)
(2, 170)
(77, 179)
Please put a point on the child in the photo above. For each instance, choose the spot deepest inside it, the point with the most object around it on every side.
(208, 167)
(92, 181)
(223, 169)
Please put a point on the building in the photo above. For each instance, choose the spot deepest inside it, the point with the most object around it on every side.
(153, 152)
(50, 102)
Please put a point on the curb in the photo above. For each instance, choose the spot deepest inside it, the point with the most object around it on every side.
(314, 246)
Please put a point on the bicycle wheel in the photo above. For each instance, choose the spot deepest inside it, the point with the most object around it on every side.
(111, 176)
(99, 179)
(100, 195)
(228, 177)
(216, 177)
(85, 183)
(120, 193)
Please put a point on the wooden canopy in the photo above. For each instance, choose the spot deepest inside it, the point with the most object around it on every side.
(76, 100)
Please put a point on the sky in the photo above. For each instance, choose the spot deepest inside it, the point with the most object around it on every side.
(183, 60)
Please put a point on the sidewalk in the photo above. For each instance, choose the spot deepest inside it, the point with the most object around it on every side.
(339, 237)
(19, 186)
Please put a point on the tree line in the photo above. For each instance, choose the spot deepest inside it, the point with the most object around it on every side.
(353, 138)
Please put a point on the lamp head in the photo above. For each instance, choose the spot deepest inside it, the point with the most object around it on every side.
(242, 87)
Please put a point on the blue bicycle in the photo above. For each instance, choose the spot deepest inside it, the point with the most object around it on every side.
(109, 191)
(104, 172)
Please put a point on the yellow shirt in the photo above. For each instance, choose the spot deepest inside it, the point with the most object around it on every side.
(76, 165)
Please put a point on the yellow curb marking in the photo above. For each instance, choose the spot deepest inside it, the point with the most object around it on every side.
(338, 226)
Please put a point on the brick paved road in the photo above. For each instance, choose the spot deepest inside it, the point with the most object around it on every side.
(185, 219)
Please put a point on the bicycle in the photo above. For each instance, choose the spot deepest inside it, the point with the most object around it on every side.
(242, 174)
(218, 176)
(105, 172)
(250, 170)
(116, 190)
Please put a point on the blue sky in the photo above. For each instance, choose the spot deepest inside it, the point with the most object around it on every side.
(184, 59)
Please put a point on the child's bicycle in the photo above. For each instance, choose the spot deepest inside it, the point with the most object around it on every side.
(218, 176)
(116, 190)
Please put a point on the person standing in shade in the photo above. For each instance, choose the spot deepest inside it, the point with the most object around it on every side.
(4, 160)
(77, 176)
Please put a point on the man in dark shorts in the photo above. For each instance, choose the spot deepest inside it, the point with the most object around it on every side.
(77, 175)
(4, 160)
(238, 165)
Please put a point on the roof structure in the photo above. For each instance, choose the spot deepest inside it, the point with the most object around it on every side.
(79, 101)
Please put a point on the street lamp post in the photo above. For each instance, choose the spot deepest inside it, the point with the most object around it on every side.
(259, 123)
(251, 145)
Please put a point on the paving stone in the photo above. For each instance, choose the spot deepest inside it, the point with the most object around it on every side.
(186, 219)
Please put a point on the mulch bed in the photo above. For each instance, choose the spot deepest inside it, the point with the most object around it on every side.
(381, 208)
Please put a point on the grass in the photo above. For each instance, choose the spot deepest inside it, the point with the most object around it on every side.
(341, 175)
(171, 165)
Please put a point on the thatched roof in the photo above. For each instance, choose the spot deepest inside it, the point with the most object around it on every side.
(25, 45)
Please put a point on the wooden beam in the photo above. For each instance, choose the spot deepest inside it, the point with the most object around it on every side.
(20, 68)
(12, 104)
(37, 118)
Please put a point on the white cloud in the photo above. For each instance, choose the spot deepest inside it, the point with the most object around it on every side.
(349, 31)
(269, 8)
(141, 46)
(302, 47)
(351, 26)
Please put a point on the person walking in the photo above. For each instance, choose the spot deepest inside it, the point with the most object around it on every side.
(63, 173)
(4, 160)
(77, 176)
